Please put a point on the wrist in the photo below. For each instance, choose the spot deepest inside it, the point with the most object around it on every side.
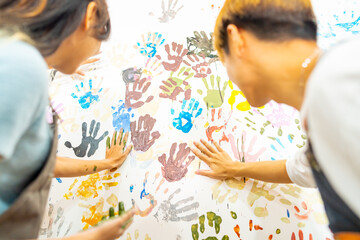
(237, 169)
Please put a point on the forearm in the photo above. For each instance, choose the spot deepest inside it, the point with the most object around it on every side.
(68, 167)
(267, 171)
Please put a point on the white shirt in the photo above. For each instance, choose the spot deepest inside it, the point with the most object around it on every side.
(332, 110)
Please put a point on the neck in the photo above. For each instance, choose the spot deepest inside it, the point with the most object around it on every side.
(288, 84)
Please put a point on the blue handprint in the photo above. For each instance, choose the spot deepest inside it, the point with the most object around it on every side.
(149, 48)
(186, 115)
(121, 117)
(88, 97)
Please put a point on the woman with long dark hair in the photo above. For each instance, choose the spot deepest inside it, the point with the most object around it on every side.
(35, 35)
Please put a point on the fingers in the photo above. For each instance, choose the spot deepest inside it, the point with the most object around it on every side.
(128, 150)
(207, 173)
(124, 140)
(113, 139)
(122, 221)
(119, 140)
(218, 147)
(208, 146)
(202, 149)
(201, 156)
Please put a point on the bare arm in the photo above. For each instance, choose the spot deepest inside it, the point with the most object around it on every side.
(116, 154)
(223, 167)
(108, 231)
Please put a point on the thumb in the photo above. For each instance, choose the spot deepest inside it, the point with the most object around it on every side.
(206, 173)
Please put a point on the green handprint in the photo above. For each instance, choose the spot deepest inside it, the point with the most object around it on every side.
(173, 86)
(201, 45)
(214, 220)
(214, 97)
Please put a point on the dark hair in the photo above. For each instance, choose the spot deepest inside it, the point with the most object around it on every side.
(59, 19)
(274, 20)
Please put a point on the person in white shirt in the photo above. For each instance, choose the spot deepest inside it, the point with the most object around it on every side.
(270, 52)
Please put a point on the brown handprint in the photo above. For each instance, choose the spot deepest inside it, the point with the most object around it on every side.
(175, 57)
(141, 136)
(175, 169)
(139, 88)
(202, 69)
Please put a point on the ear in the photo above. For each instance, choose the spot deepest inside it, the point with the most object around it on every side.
(236, 40)
(90, 16)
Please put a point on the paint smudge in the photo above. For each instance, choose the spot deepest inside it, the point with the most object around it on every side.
(237, 230)
(261, 212)
(258, 192)
(184, 121)
(130, 75)
(141, 133)
(174, 169)
(88, 140)
(233, 215)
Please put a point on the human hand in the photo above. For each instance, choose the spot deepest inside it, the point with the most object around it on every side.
(221, 164)
(112, 229)
(116, 153)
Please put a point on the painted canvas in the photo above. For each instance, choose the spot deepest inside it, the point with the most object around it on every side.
(160, 79)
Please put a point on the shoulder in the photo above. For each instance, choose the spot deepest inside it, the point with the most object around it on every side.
(21, 62)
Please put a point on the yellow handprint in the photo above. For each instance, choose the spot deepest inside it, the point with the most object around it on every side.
(243, 106)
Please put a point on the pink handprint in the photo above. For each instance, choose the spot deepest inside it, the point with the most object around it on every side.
(175, 169)
(202, 69)
(175, 57)
(248, 155)
(139, 88)
(140, 135)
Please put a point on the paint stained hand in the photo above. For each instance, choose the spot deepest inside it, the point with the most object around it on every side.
(88, 141)
(86, 97)
(149, 47)
(176, 84)
(169, 12)
(187, 115)
(133, 97)
(176, 211)
(115, 149)
(199, 65)
(175, 56)
(216, 158)
(175, 168)
(214, 96)
(122, 117)
(141, 135)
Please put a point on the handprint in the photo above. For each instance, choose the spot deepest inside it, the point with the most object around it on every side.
(140, 134)
(175, 211)
(214, 97)
(139, 88)
(177, 84)
(187, 115)
(201, 45)
(152, 68)
(88, 141)
(243, 106)
(214, 221)
(248, 155)
(170, 12)
(233, 186)
(175, 169)
(211, 129)
(202, 69)
(121, 117)
(149, 47)
(87, 97)
(175, 57)
(279, 117)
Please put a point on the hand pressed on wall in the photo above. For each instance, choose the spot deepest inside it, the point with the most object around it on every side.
(115, 148)
(216, 158)
(174, 169)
